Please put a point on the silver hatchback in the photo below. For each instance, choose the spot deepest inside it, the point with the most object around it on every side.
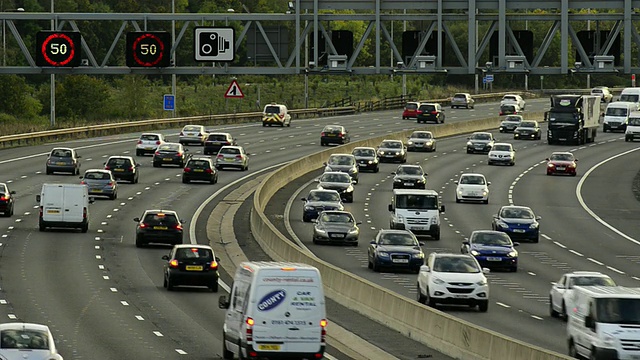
(100, 183)
(193, 134)
(232, 156)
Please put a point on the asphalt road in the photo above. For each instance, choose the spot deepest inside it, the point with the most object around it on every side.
(591, 228)
(103, 297)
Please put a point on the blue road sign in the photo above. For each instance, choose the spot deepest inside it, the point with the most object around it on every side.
(484, 80)
(489, 77)
(169, 102)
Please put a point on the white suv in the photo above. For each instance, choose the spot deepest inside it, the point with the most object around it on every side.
(513, 99)
(453, 279)
(561, 291)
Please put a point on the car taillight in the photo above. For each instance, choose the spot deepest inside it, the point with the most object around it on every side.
(239, 157)
(501, 113)
(110, 183)
(322, 134)
(157, 153)
(81, 183)
(208, 171)
(214, 265)
(220, 156)
(227, 143)
(139, 142)
(40, 213)
(434, 112)
(418, 111)
(158, 142)
(179, 154)
(4, 198)
(107, 167)
(187, 169)
(143, 225)
(173, 264)
(250, 322)
(340, 135)
(199, 134)
(177, 227)
(323, 333)
(84, 213)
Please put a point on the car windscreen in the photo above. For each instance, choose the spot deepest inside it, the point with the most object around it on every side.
(191, 128)
(272, 109)
(492, 239)
(337, 178)
(515, 213)
(616, 111)
(367, 152)
(460, 96)
(590, 281)
(194, 254)
(416, 202)
(411, 106)
(232, 151)
(421, 135)
(336, 218)
(513, 118)
(217, 137)
(169, 147)
(472, 180)
(502, 148)
(61, 153)
(323, 196)
(561, 157)
(427, 108)
(630, 97)
(332, 129)
(391, 145)
(198, 164)
(618, 311)
(596, 91)
(480, 137)
(634, 121)
(160, 219)
(24, 339)
(455, 264)
(97, 176)
(117, 162)
(398, 239)
(528, 124)
(409, 170)
(341, 160)
(149, 137)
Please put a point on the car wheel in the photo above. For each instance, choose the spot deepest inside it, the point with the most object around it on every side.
(170, 284)
(483, 306)
(377, 169)
(563, 311)
(49, 172)
(138, 153)
(469, 151)
(156, 165)
(421, 298)
(355, 244)
(185, 180)
(305, 218)
(489, 162)
(350, 199)
(84, 228)
(139, 242)
(458, 200)
(135, 180)
(113, 196)
(514, 269)
(375, 266)
(552, 311)
(512, 163)
(214, 286)
(485, 201)
(429, 300)
(536, 239)
(573, 353)
(436, 235)
(370, 264)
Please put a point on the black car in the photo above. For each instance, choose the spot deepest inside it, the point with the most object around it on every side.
(191, 265)
(334, 134)
(215, 141)
(338, 181)
(430, 112)
(158, 226)
(318, 201)
(170, 154)
(480, 142)
(366, 158)
(528, 130)
(123, 168)
(200, 168)
(63, 160)
(6, 200)
(395, 249)
(409, 177)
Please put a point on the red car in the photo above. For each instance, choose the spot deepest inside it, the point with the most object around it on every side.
(410, 110)
(561, 163)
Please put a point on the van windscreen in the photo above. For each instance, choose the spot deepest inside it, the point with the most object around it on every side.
(618, 311)
(416, 202)
(630, 97)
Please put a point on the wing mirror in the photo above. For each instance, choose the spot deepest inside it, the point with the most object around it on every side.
(136, 219)
(442, 208)
(516, 244)
(538, 217)
(165, 257)
(486, 270)
(38, 198)
(223, 302)
(391, 207)
(303, 199)
(424, 268)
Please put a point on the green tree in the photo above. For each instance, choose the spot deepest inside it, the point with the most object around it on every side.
(81, 96)
(16, 98)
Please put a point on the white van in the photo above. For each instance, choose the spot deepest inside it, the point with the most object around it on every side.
(630, 94)
(604, 323)
(276, 114)
(616, 117)
(417, 211)
(633, 127)
(64, 205)
(274, 310)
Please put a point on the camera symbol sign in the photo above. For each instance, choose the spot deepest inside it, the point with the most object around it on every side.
(214, 44)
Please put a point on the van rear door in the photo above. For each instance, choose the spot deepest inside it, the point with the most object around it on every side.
(289, 308)
(52, 202)
(74, 203)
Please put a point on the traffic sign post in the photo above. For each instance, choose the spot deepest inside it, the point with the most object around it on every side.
(234, 91)
(489, 78)
(169, 102)
(214, 44)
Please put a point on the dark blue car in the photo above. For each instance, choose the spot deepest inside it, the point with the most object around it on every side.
(492, 249)
(395, 249)
(519, 222)
(318, 201)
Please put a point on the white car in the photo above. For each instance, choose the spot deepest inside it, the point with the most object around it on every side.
(472, 187)
(454, 279)
(148, 143)
(502, 153)
(513, 99)
(604, 93)
(561, 291)
(193, 134)
(20, 341)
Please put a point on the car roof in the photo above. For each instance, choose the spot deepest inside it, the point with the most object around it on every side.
(190, 246)
(337, 212)
(487, 232)
(121, 157)
(561, 152)
(62, 148)
(461, 94)
(586, 273)
(98, 170)
(496, 144)
(481, 132)
(364, 148)
(415, 192)
(200, 157)
(220, 133)
(429, 103)
(161, 211)
(394, 231)
(192, 125)
(471, 174)
(392, 140)
(450, 254)
(148, 133)
(335, 172)
(421, 132)
(515, 207)
(231, 147)
(23, 325)
(323, 190)
(409, 166)
(341, 154)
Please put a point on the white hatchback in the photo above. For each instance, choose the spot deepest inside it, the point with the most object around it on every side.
(148, 143)
(193, 134)
(21, 341)
(502, 153)
(455, 279)
(561, 291)
(472, 187)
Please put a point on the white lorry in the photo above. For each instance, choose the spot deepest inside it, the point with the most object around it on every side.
(65, 206)
(275, 310)
(417, 211)
(604, 323)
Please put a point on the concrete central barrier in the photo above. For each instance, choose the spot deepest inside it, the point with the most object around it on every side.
(442, 332)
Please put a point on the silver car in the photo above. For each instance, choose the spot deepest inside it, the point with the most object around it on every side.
(421, 140)
(392, 151)
(100, 183)
(232, 156)
(193, 134)
(510, 123)
(344, 163)
(336, 227)
(462, 100)
(20, 341)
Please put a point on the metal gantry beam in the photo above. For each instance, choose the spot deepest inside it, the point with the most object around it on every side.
(311, 19)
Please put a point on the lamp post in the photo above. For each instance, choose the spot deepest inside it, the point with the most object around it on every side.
(52, 115)
(4, 35)
(173, 55)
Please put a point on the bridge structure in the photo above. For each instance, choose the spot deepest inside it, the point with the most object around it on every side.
(496, 38)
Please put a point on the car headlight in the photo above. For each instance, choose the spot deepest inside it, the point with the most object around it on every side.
(460, 192)
(409, 142)
(369, 162)
(321, 231)
(502, 224)
(354, 231)
(550, 165)
(397, 180)
(353, 170)
(512, 254)
(397, 152)
(420, 181)
(381, 152)
(309, 208)
(534, 225)
(320, 187)
(469, 143)
(475, 253)
(328, 168)
(482, 282)
(350, 188)
(383, 254)
(438, 281)
(485, 192)
(419, 255)
(428, 143)
(400, 218)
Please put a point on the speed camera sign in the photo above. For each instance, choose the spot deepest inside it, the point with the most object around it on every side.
(214, 44)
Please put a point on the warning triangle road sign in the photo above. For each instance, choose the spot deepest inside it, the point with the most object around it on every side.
(234, 91)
